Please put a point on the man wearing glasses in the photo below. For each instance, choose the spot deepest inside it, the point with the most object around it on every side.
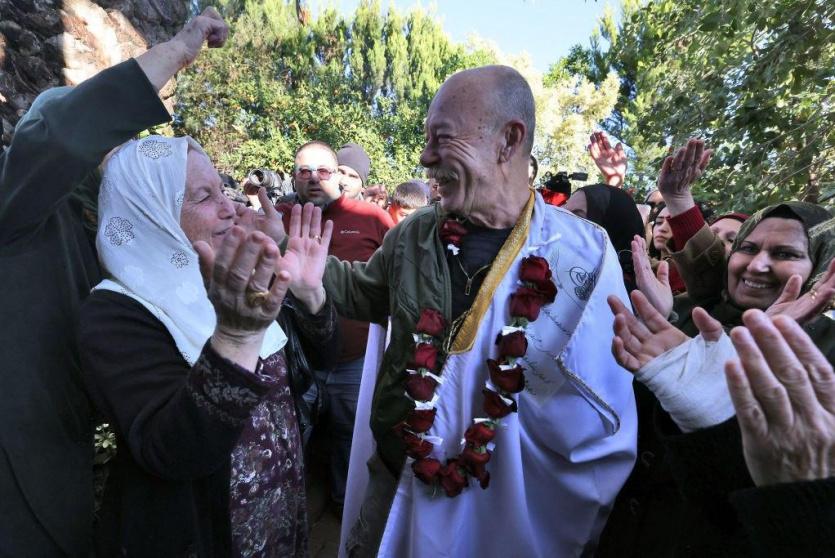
(358, 230)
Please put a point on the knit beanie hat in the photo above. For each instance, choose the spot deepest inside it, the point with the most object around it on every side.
(354, 156)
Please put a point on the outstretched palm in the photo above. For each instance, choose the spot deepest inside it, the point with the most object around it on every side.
(680, 171)
(611, 161)
(636, 342)
(655, 287)
(307, 248)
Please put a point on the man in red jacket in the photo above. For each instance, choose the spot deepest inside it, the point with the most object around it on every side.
(358, 230)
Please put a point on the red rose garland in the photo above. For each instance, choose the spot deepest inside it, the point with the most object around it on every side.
(506, 377)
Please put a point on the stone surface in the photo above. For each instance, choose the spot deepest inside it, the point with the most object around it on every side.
(45, 43)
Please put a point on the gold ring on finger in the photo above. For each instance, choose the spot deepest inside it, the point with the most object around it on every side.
(814, 294)
(256, 298)
(317, 238)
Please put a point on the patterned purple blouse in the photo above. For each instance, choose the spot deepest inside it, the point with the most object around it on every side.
(267, 500)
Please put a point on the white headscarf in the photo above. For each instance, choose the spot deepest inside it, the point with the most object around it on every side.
(144, 251)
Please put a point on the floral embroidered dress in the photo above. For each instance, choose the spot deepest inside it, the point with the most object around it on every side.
(267, 500)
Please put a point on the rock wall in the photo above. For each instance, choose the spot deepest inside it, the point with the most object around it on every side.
(45, 43)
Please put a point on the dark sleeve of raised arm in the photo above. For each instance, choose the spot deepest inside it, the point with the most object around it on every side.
(51, 153)
(791, 519)
(178, 421)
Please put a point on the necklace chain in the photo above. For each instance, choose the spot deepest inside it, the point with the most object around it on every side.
(470, 278)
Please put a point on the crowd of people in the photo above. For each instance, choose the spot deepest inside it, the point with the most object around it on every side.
(491, 368)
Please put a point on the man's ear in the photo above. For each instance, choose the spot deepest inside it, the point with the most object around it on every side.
(514, 133)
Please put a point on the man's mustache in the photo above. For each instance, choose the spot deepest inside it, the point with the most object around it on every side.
(441, 174)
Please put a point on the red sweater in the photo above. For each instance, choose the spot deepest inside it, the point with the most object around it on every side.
(358, 230)
(683, 227)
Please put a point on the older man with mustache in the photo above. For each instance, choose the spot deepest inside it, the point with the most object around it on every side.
(502, 426)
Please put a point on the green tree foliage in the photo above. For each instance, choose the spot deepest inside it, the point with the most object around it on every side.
(286, 78)
(568, 108)
(755, 78)
(283, 80)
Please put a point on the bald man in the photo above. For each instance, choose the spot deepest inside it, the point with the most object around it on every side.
(501, 424)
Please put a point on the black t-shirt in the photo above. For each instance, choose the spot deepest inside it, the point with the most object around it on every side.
(478, 250)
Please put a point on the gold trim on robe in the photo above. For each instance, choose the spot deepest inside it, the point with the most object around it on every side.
(466, 335)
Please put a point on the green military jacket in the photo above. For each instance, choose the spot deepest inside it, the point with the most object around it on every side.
(407, 274)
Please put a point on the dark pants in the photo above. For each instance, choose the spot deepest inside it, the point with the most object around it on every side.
(342, 387)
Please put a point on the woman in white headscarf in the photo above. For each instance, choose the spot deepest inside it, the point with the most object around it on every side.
(191, 371)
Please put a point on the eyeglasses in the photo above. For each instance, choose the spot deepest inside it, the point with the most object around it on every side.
(305, 172)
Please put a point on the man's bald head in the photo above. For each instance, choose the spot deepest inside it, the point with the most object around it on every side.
(479, 134)
(499, 93)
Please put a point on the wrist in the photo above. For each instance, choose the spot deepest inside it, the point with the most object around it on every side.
(678, 204)
(161, 62)
(179, 52)
(237, 337)
(240, 347)
(615, 180)
(313, 299)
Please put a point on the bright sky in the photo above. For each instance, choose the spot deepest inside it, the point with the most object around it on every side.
(546, 29)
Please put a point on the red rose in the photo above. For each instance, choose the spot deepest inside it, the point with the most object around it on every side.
(479, 434)
(420, 420)
(512, 345)
(416, 447)
(471, 456)
(511, 381)
(494, 405)
(431, 322)
(481, 474)
(427, 469)
(525, 303)
(453, 480)
(426, 356)
(420, 388)
(535, 270)
(547, 290)
(452, 231)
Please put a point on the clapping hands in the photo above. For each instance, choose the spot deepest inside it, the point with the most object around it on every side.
(268, 220)
(638, 340)
(803, 308)
(783, 389)
(656, 287)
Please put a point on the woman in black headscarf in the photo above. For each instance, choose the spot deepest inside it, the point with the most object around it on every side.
(614, 210)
